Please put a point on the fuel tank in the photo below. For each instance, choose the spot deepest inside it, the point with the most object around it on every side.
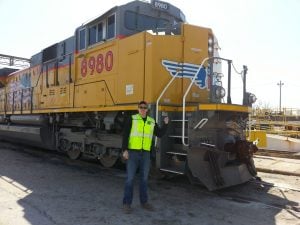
(39, 136)
(35, 120)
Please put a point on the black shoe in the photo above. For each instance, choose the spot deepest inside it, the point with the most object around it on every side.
(127, 208)
(148, 206)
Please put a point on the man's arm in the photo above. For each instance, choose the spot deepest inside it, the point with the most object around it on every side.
(159, 132)
(126, 132)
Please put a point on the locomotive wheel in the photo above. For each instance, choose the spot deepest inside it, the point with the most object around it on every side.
(74, 153)
(108, 161)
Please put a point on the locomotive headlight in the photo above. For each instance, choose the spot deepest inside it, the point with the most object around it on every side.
(220, 92)
(210, 49)
(252, 98)
(210, 41)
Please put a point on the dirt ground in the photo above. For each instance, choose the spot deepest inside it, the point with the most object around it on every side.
(41, 188)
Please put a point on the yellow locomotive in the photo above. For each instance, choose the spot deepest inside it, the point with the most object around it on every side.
(76, 93)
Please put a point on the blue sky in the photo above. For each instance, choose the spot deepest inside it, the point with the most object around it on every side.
(262, 34)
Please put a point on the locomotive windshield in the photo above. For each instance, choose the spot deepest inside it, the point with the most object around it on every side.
(157, 17)
(139, 22)
(135, 21)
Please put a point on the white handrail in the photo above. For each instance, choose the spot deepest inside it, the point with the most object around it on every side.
(183, 101)
(161, 94)
(201, 123)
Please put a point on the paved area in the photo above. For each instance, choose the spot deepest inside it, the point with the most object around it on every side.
(282, 143)
(277, 165)
(44, 189)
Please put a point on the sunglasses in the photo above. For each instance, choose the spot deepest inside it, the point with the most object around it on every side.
(143, 107)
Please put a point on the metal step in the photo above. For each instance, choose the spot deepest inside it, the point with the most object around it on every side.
(179, 120)
(172, 170)
(179, 147)
(177, 136)
(208, 145)
(177, 153)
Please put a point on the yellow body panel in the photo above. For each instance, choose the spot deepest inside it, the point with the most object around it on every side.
(95, 75)
(130, 79)
(157, 49)
(91, 94)
(80, 109)
(57, 96)
(181, 49)
(118, 72)
(195, 51)
(97, 62)
(53, 88)
(63, 77)
(224, 107)
(195, 43)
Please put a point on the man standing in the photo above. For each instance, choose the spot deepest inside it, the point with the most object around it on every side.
(137, 141)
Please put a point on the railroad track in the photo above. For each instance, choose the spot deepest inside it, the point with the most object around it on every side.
(278, 154)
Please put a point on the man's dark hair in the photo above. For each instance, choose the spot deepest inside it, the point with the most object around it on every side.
(142, 103)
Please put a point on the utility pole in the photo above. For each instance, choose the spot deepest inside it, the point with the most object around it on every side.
(280, 84)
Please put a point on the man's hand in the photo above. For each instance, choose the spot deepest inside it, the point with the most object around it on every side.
(126, 155)
(166, 120)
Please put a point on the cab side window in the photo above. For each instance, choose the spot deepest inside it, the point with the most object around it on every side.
(92, 34)
(82, 40)
(111, 26)
(101, 34)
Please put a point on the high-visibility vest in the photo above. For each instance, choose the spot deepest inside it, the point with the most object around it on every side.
(141, 133)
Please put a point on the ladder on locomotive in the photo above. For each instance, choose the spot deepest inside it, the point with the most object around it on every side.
(180, 125)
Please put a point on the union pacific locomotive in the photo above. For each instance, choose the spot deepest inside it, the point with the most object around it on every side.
(76, 94)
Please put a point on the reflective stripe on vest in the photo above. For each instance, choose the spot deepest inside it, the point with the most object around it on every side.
(141, 133)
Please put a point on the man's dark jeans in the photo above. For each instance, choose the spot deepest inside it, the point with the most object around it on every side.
(141, 160)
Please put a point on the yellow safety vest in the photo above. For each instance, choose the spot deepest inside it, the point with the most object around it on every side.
(141, 133)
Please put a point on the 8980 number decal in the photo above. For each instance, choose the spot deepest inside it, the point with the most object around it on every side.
(97, 64)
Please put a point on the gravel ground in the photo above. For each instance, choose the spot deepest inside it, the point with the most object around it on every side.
(41, 188)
